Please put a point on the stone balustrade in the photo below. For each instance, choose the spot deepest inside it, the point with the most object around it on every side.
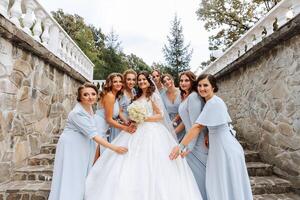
(33, 19)
(282, 13)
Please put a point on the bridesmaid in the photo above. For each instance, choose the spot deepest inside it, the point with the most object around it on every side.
(157, 80)
(108, 107)
(126, 99)
(172, 99)
(226, 166)
(129, 92)
(76, 148)
(189, 110)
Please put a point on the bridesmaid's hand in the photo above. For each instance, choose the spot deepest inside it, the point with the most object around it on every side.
(130, 129)
(175, 153)
(184, 154)
(206, 140)
(119, 150)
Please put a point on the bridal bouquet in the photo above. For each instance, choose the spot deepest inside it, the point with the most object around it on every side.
(137, 112)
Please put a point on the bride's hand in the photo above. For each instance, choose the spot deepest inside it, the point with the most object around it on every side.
(119, 150)
(184, 154)
(175, 153)
(130, 129)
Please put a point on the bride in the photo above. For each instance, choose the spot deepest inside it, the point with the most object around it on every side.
(145, 172)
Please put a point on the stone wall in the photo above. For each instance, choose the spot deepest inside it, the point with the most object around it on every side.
(36, 93)
(263, 97)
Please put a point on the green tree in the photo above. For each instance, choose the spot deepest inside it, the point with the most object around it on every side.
(176, 54)
(137, 64)
(229, 19)
(104, 51)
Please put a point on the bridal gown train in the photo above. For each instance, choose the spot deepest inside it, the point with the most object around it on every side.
(145, 172)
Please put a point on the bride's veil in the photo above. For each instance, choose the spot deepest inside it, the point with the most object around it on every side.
(166, 119)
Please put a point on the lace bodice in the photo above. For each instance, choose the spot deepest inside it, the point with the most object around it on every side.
(147, 103)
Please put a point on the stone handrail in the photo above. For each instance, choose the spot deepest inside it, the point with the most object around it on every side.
(280, 14)
(33, 19)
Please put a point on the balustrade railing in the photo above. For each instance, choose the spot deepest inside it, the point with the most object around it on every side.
(283, 12)
(33, 19)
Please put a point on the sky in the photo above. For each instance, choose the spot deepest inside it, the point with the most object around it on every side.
(142, 25)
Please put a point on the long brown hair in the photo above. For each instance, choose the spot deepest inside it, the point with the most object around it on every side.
(150, 89)
(128, 71)
(107, 87)
(212, 80)
(192, 78)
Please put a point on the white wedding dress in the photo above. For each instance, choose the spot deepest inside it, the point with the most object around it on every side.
(145, 172)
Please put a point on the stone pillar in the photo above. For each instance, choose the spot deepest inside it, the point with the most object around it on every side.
(28, 19)
(4, 7)
(16, 13)
(37, 29)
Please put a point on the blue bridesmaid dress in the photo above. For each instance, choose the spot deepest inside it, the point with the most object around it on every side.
(74, 156)
(172, 109)
(189, 110)
(103, 126)
(226, 167)
(124, 102)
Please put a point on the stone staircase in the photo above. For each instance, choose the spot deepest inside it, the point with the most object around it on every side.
(32, 182)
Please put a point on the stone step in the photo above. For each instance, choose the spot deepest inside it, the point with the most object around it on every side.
(252, 156)
(270, 185)
(54, 139)
(21, 190)
(48, 149)
(244, 144)
(41, 159)
(259, 169)
(31, 173)
(286, 196)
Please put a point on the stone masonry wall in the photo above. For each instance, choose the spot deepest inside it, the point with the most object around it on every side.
(35, 98)
(263, 98)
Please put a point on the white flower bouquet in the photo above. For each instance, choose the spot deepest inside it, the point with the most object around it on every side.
(137, 112)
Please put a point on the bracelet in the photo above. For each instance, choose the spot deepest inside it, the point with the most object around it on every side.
(182, 147)
(174, 124)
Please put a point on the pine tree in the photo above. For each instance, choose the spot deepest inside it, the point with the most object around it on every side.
(177, 55)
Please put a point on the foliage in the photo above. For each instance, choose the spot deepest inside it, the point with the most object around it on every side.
(104, 51)
(176, 54)
(137, 64)
(229, 19)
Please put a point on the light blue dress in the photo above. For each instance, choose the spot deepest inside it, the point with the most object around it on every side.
(189, 111)
(172, 109)
(226, 167)
(162, 90)
(124, 102)
(75, 153)
(102, 125)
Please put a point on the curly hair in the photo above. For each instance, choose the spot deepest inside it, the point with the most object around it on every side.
(192, 78)
(150, 89)
(107, 87)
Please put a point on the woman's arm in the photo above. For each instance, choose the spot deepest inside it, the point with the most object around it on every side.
(105, 143)
(108, 104)
(193, 132)
(122, 117)
(158, 116)
(179, 128)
